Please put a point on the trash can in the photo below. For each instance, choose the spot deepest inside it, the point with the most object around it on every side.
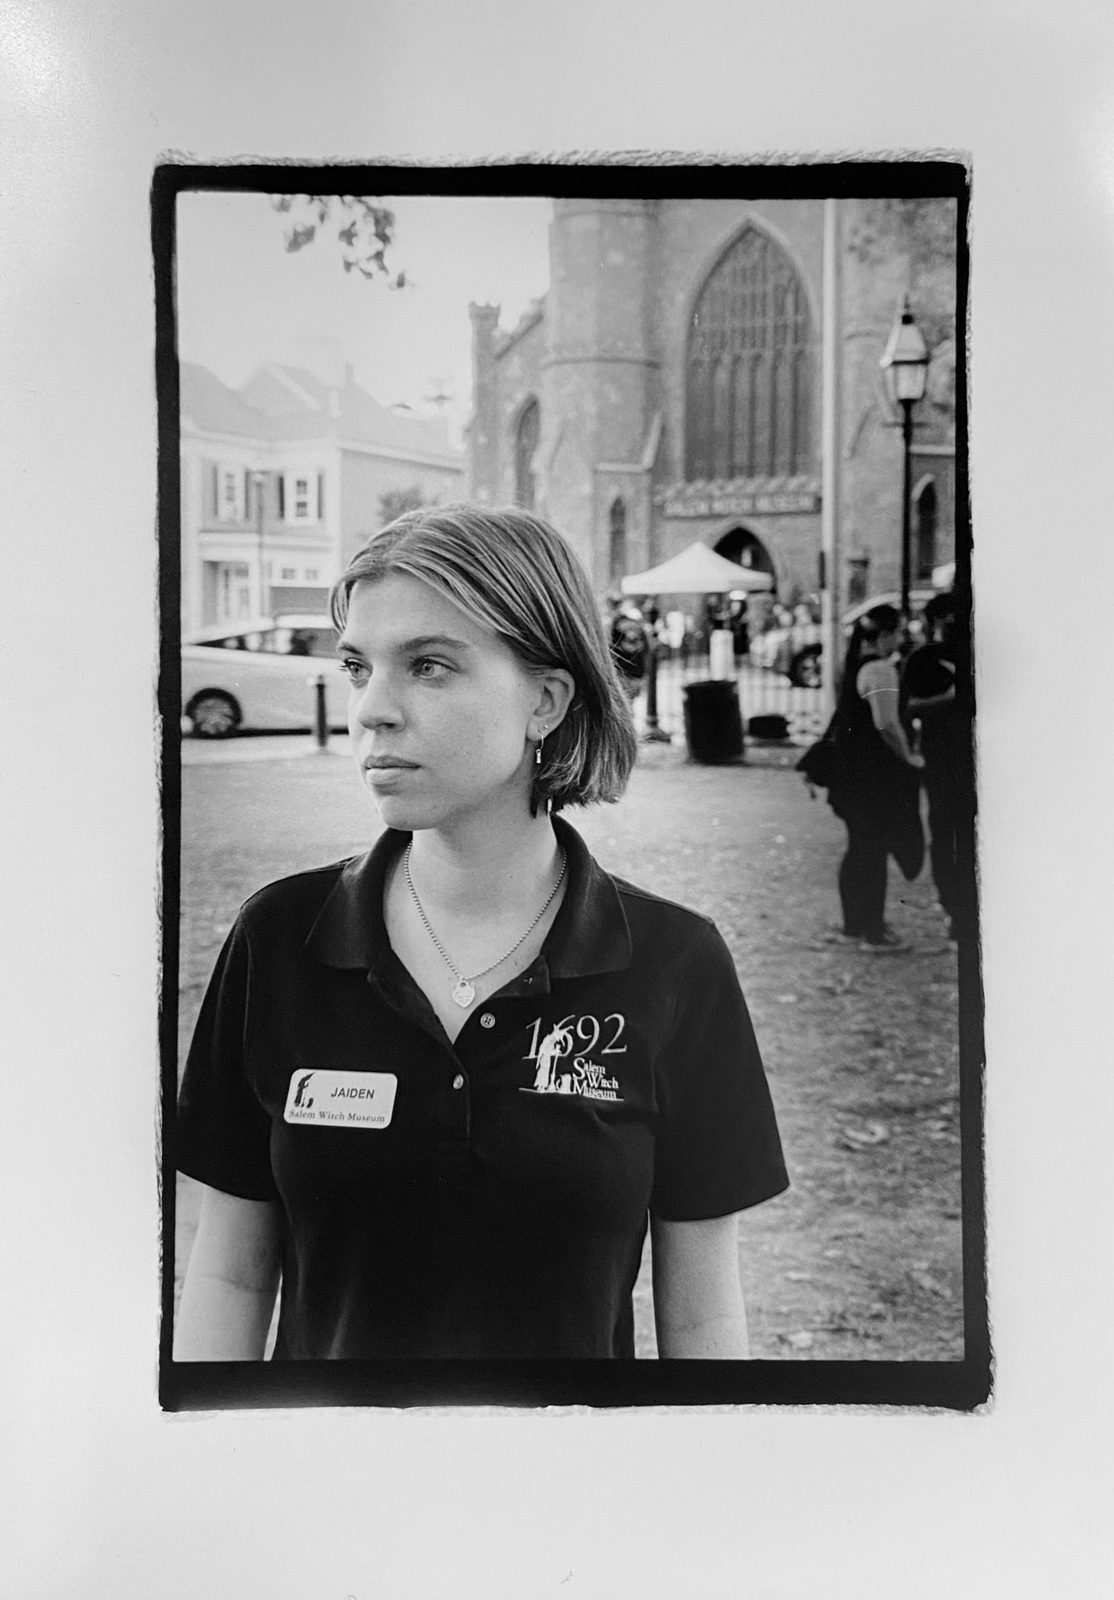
(713, 726)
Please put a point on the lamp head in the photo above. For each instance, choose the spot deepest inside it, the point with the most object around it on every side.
(905, 359)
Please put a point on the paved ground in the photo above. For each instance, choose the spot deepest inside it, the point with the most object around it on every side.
(861, 1259)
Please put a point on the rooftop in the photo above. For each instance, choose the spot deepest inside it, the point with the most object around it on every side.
(280, 403)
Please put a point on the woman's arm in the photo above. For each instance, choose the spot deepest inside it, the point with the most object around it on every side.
(698, 1298)
(877, 683)
(916, 705)
(231, 1280)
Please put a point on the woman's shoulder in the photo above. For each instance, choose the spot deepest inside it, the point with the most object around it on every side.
(671, 926)
(875, 675)
(300, 891)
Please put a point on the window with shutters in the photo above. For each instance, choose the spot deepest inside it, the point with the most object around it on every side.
(302, 496)
(230, 494)
(525, 448)
(749, 380)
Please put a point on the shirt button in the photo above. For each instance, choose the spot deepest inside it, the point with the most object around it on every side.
(458, 1081)
(487, 1020)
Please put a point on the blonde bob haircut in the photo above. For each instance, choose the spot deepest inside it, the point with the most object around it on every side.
(514, 574)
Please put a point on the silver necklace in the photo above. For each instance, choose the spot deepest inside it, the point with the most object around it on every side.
(464, 991)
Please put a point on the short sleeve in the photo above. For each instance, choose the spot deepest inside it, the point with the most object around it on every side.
(222, 1131)
(717, 1147)
(877, 677)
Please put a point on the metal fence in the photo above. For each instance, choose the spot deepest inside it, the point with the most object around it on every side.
(762, 694)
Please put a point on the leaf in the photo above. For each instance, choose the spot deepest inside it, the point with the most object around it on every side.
(860, 1136)
(801, 1340)
(300, 235)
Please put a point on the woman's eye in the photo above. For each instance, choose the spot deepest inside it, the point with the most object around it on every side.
(426, 667)
(353, 670)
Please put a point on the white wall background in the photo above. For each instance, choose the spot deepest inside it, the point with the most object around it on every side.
(103, 1495)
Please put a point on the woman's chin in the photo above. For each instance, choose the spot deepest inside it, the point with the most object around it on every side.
(394, 812)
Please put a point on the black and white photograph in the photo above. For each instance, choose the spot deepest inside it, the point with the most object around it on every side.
(710, 401)
(569, 792)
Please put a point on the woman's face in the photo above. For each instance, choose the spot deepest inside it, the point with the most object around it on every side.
(440, 709)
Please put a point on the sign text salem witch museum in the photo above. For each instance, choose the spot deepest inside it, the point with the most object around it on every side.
(740, 504)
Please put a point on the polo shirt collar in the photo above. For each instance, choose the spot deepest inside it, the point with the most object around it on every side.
(590, 933)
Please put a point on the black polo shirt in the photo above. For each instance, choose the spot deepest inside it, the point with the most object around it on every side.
(486, 1197)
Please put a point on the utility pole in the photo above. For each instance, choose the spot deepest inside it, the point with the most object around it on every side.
(258, 483)
(830, 554)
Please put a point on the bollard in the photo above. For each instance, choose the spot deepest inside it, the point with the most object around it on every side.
(320, 713)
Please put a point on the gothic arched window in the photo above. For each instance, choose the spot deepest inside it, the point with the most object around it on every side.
(525, 448)
(617, 544)
(749, 378)
(924, 523)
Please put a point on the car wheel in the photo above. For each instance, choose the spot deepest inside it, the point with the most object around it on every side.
(214, 714)
(805, 670)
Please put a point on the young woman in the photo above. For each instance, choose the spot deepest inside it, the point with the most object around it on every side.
(438, 1089)
(877, 794)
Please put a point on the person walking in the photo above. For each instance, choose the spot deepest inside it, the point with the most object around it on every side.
(875, 790)
(932, 705)
(440, 1090)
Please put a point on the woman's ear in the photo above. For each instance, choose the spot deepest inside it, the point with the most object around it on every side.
(557, 691)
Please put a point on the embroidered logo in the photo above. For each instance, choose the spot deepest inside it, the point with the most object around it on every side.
(559, 1069)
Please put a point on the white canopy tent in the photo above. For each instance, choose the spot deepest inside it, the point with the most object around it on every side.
(697, 570)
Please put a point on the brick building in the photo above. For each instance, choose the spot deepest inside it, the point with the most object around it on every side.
(281, 481)
(668, 386)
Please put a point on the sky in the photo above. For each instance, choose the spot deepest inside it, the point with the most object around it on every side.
(243, 299)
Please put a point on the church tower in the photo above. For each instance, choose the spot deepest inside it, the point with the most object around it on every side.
(600, 381)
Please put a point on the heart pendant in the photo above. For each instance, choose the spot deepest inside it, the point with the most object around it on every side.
(464, 993)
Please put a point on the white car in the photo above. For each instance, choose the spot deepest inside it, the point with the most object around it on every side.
(260, 673)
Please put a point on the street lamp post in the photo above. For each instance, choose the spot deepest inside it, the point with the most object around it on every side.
(904, 364)
(258, 480)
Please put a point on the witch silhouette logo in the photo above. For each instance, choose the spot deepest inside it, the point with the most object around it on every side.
(558, 1042)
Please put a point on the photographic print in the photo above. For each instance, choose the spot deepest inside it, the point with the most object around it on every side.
(570, 940)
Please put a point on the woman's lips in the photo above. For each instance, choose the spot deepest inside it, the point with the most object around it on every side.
(380, 772)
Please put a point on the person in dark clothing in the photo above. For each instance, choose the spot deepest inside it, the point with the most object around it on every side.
(876, 793)
(629, 650)
(931, 703)
(740, 628)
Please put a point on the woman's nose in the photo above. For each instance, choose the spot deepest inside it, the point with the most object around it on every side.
(376, 703)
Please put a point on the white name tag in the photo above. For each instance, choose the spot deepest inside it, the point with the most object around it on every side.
(320, 1097)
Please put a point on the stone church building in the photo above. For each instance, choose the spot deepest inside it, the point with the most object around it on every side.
(667, 387)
